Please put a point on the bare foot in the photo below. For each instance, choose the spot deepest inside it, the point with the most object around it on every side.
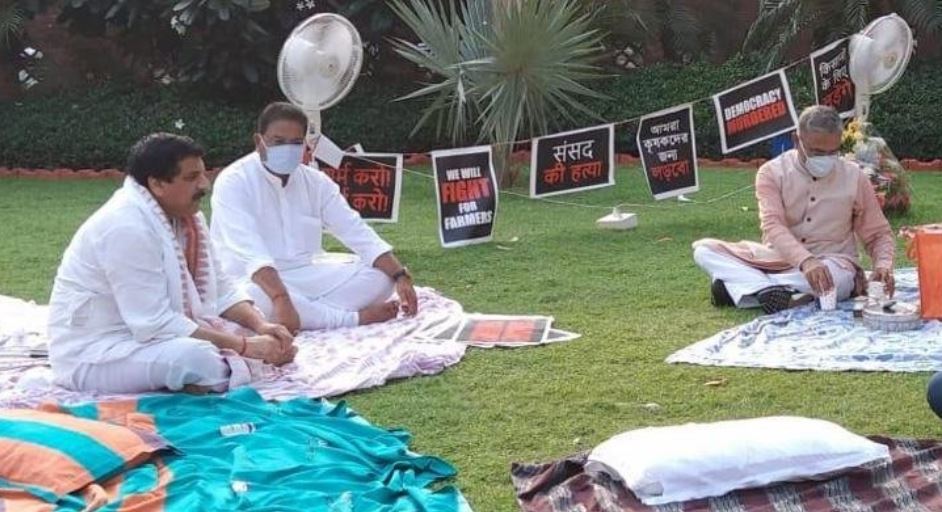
(379, 312)
(194, 389)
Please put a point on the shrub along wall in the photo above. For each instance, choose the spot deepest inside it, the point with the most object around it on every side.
(94, 128)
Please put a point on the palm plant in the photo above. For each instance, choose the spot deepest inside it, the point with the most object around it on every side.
(508, 70)
(781, 21)
(11, 22)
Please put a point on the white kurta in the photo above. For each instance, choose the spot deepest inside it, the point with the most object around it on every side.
(118, 293)
(259, 223)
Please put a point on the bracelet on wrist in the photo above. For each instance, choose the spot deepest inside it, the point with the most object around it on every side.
(403, 272)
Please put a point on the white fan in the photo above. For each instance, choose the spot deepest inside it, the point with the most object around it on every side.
(878, 56)
(318, 65)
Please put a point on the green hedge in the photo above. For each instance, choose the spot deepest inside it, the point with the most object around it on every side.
(907, 115)
(94, 128)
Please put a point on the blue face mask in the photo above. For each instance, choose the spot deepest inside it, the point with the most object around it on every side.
(283, 159)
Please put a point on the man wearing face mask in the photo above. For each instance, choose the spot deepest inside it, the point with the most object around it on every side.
(136, 302)
(269, 213)
(813, 208)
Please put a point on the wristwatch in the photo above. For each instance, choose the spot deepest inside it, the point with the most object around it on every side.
(403, 272)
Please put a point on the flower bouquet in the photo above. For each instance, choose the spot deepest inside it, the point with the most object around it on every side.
(862, 145)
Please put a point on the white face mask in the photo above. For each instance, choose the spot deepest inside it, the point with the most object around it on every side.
(819, 166)
(283, 159)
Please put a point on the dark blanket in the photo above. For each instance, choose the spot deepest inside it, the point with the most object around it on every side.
(912, 481)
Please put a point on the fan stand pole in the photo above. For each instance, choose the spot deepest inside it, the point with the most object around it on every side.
(861, 105)
(313, 128)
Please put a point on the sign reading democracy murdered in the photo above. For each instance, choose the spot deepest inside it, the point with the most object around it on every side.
(668, 149)
(573, 161)
(371, 183)
(467, 195)
(755, 111)
(830, 67)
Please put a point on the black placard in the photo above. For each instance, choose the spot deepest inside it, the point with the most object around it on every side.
(755, 111)
(371, 183)
(467, 195)
(573, 161)
(833, 86)
(668, 149)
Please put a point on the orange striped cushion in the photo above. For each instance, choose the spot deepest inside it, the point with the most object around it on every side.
(51, 454)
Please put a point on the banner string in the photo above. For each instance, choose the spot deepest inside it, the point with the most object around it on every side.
(589, 206)
(638, 118)
(592, 206)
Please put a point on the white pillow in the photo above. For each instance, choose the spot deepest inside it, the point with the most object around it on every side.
(685, 462)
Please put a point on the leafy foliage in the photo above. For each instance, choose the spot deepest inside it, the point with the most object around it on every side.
(95, 128)
(781, 22)
(232, 44)
(676, 29)
(507, 71)
(11, 22)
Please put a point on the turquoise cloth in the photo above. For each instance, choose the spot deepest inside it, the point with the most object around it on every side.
(303, 455)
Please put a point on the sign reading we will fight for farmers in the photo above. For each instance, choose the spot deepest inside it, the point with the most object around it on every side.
(573, 161)
(755, 111)
(467, 195)
(371, 183)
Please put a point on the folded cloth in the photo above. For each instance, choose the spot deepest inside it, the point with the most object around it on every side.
(239, 452)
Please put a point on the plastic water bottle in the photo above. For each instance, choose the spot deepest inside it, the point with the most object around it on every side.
(240, 487)
(236, 429)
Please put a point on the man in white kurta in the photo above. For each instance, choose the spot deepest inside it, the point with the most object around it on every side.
(270, 213)
(139, 291)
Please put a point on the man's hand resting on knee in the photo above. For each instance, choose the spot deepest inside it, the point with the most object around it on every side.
(283, 310)
(818, 276)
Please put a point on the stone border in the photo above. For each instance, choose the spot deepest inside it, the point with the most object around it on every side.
(520, 157)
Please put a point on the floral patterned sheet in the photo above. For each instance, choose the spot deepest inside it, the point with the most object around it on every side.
(329, 363)
(808, 339)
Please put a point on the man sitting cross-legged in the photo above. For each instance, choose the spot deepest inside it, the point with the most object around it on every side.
(139, 282)
(814, 206)
(269, 214)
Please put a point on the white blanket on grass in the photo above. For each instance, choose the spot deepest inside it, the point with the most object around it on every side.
(808, 339)
(328, 363)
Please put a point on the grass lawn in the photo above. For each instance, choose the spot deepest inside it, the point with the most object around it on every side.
(635, 296)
